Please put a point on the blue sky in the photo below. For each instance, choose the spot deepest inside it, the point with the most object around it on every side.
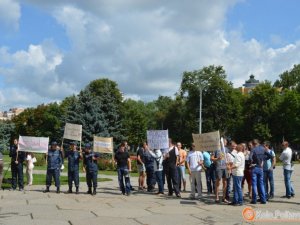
(52, 49)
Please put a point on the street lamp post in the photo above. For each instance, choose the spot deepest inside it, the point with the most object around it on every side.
(200, 108)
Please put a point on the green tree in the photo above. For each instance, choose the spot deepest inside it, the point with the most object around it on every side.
(222, 104)
(260, 112)
(6, 131)
(289, 79)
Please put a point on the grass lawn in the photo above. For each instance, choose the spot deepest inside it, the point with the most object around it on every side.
(40, 179)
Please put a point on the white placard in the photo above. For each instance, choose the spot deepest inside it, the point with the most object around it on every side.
(207, 141)
(103, 145)
(73, 131)
(33, 144)
(158, 139)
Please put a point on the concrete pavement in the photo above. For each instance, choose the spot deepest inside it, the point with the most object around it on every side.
(110, 207)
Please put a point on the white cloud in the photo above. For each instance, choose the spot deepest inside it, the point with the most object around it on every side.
(144, 46)
(10, 14)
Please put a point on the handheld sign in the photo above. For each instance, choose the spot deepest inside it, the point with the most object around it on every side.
(158, 139)
(103, 145)
(33, 144)
(207, 141)
(73, 132)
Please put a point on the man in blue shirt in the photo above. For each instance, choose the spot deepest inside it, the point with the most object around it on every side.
(257, 157)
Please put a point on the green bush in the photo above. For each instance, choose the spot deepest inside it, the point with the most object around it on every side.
(40, 159)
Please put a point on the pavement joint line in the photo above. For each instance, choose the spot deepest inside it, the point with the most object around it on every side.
(58, 207)
(2, 196)
(69, 221)
(204, 220)
(48, 196)
(110, 205)
(27, 202)
(94, 214)
(160, 204)
(136, 220)
(31, 216)
(200, 207)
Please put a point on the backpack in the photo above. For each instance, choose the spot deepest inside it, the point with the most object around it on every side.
(295, 156)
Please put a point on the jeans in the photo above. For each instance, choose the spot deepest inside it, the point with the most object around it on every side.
(210, 179)
(159, 180)
(150, 179)
(237, 186)
(258, 184)
(181, 175)
(289, 190)
(228, 187)
(268, 178)
(123, 172)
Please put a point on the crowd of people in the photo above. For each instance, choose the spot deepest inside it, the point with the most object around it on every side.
(227, 170)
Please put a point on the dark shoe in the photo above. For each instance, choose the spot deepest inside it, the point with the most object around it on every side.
(292, 195)
(271, 196)
(178, 195)
(77, 190)
(46, 190)
(57, 190)
(21, 189)
(263, 202)
(132, 189)
(233, 204)
(94, 191)
(170, 194)
(252, 202)
(89, 191)
(128, 193)
(70, 191)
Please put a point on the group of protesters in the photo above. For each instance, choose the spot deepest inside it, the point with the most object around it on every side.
(250, 162)
(231, 166)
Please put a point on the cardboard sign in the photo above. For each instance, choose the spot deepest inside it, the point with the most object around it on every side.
(103, 145)
(207, 141)
(33, 144)
(73, 132)
(158, 139)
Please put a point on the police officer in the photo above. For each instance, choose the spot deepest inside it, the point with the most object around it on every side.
(17, 159)
(54, 163)
(73, 166)
(91, 168)
(257, 157)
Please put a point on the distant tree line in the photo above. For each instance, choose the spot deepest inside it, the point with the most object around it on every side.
(269, 112)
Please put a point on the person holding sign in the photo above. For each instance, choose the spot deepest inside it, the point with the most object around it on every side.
(123, 161)
(91, 168)
(17, 159)
(73, 166)
(54, 163)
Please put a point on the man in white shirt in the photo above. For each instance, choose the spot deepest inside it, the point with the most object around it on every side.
(237, 168)
(286, 158)
(194, 165)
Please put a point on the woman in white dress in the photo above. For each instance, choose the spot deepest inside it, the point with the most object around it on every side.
(29, 169)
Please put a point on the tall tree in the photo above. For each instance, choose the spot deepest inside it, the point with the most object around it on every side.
(6, 131)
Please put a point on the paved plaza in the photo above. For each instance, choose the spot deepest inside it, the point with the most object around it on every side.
(110, 207)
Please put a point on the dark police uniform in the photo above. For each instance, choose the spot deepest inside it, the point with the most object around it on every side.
(17, 168)
(91, 168)
(149, 164)
(73, 169)
(55, 161)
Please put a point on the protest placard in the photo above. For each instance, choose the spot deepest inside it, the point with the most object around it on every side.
(103, 145)
(73, 132)
(158, 139)
(207, 141)
(33, 144)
